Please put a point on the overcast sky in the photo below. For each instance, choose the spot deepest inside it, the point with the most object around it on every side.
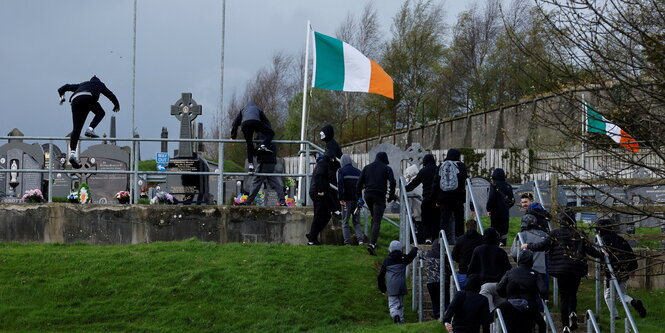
(45, 44)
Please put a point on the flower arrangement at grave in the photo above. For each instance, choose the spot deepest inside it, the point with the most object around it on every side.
(162, 198)
(123, 197)
(73, 197)
(80, 196)
(33, 196)
(289, 182)
(240, 198)
(291, 202)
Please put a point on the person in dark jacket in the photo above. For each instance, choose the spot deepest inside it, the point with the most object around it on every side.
(375, 179)
(85, 98)
(567, 249)
(530, 206)
(531, 233)
(451, 202)
(267, 164)
(463, 250)
(523, 288)
(251, 119)
(499, 201)
(320, 192)
(392, 279)
(347, 179)
(327, 134)
(624, 262)
(428, 210)
(490, 262)
(468, 310)
(433, 276)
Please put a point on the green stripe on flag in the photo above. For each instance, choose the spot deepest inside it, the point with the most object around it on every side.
(329, 62)
(595, 122)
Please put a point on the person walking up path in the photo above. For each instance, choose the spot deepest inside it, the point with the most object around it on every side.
(347, 179)
(392, 279)
(449, 191)
(429, 213)
(85, 99)
(375, 179)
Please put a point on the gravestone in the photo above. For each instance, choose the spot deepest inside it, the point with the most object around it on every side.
(61, 183)
(19, 155)
(103, 187)
(187, 188)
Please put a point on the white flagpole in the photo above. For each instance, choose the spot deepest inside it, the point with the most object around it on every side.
(303, 160)
(585, 111)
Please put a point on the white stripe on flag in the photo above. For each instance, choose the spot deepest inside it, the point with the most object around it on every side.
(357, 70)
(613, 131)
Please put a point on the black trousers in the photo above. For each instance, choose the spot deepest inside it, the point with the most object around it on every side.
(568, 286)
(500, 223)
(81, 106)
(376, 203)
(455, 210)
(430, 218)
(250, 127)
(273, 182)
(322, 216)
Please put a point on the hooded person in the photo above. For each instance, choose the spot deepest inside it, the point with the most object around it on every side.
(567, 249)
(468, 310)
(85, 99)
(499, 201)
(347, 181)
(531, 233)
(267, 164)
(490, 262)
(392, 278)
(320, 192)
(415, 199)
(523, 288)
(327, 134)
(251, 119)
(449, 191)
(464, 247)
(428, 210)
(530, 206)
(377, 180)
(624, 262)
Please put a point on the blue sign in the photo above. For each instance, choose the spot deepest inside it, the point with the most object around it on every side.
(162, 160)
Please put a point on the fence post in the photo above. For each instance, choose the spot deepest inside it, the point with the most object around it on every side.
(50, 171)
(305, 195)
(220, 180)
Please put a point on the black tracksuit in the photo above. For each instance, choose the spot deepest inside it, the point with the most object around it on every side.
(621, 255)
(374, 179)
(489, 261)
(267, 164)
(567, 250)
(463, 249)
(469, 310)
(320, 184)
(500, 194)
(451, 203)
(251, 119)
(332, 148)
(83, 104)
(522, 282)
(429, 211)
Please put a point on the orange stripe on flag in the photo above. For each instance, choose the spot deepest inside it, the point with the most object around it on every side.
(629, 142)
(379, 82)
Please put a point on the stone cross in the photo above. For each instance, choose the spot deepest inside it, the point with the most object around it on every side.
(186, 110)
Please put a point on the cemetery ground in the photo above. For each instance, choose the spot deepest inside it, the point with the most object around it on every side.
(207, 287)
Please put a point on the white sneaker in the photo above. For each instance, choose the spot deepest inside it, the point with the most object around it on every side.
(73, 160)
(91, 133)
(250, 169)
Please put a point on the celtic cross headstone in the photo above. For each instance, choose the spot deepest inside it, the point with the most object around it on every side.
(186, 110)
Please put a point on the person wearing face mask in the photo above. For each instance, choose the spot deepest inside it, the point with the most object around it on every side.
(320, 192)
(327, 134)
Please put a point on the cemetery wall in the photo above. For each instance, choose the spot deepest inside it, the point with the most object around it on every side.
(125, 224)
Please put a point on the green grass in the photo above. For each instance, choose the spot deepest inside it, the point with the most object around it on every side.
(151, 165)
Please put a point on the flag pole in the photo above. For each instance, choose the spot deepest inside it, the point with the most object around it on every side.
(303, 123)
(585, 114)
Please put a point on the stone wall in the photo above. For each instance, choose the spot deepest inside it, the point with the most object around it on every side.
(125, 224)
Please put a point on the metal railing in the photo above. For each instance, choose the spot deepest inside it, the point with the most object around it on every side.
(134, 159)
(555, 282)
(454, 282)
(615, 287)
(475, 205)
(498, 318)
(548, 316)
(407, 221)
(591, 323)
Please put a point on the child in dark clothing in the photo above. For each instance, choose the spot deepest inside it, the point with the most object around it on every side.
(468, 310)
(392, 279)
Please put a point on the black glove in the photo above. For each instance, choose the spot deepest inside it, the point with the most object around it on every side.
(116, 109)
(62, 99)
(233, 135)
(392, 197)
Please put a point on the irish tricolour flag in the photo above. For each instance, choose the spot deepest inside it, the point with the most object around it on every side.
(339, 66)
(596, 123)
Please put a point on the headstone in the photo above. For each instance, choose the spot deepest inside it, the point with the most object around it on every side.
(61, 184)
(113, 130)
(165, 144)
(17, 133)
(103, 187)
(201, 145)
(186, 110)
(187, 188)
(271, 198)
(19, 155)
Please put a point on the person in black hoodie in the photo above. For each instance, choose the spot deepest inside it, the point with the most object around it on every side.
(392, 279)
(429, 211)
(567, 249)
(327, 134)
(267, 164)
(374, 179)
(490, 262)
(523, 287)
(463, 249)
(624, 262)
(499, 201)
(468, 310)
(320, 192)
(451, 201)
(251, 119)
(84, 100)
(347, 178)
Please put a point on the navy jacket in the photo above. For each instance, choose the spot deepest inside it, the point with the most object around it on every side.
(347, 180)
(95, 86)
